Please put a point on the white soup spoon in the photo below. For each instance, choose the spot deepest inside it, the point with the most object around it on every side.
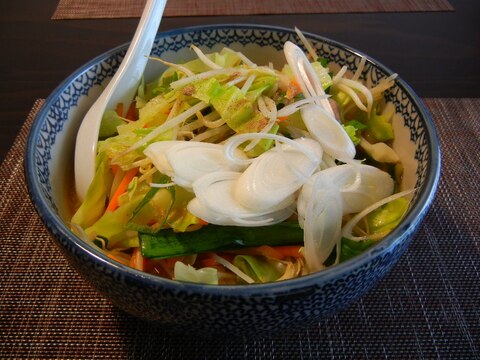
(120, 89)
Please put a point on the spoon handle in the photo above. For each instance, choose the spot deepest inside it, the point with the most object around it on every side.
(120, 89)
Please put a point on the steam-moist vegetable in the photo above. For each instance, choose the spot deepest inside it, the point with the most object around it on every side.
(229, 172)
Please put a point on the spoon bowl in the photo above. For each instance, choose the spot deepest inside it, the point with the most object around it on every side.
(120, 89)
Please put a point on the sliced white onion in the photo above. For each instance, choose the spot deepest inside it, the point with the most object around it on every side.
(328, 132)
(309, 143)
(196, 208)
(156, 154)
(192, 160)
(199, 210)
(233, 142)
(304, 74)
(272, 179)
(327, 162)
(216, 204)
(322, 226)
(302, 71)
(216, 191)
(187, 161)
(360, 186)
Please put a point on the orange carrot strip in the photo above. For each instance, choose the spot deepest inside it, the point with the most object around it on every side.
(227, 256)
(132, 112)
(120, 259)
(269, 251)
(281, 118)
(119, 109)
(122, 187)
(289, 251)
(202, 222)
(295, 84)
(136, 261)
(207, 260)
(293, 89)
(115, 168)
(170, 262)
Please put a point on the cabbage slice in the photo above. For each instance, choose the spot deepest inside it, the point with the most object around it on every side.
(188, 273)
(93, 206)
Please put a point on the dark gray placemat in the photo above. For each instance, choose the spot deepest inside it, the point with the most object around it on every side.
(427, 307)
(91, 9)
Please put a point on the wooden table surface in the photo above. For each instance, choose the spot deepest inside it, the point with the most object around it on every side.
(437, 53)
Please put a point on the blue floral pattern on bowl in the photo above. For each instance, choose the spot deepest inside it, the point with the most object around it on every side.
(233, 310)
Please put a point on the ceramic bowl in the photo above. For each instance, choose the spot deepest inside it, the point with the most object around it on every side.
(228, 310)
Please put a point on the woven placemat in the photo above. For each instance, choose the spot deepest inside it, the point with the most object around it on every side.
(87, 9)
(427, 307)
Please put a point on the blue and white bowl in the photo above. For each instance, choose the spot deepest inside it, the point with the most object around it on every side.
(206, 309)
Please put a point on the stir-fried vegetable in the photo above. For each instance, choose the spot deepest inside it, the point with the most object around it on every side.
(229, 172)
(169, 243)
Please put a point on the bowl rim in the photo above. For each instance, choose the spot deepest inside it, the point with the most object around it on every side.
(409, 224)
